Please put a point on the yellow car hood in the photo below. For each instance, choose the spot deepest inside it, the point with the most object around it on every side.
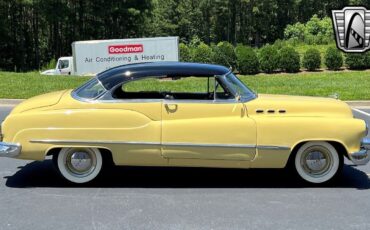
(40, 101)
(298, 106)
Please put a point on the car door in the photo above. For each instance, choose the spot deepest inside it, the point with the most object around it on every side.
(212, 130)
(63, 66)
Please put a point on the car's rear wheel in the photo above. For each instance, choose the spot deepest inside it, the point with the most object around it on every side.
(318, 162)
(79, 165)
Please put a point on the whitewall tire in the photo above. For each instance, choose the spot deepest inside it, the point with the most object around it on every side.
(79, 165)
(317, 162)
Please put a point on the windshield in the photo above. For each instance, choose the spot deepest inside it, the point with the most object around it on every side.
(90, 90)
(237, 87)
(63, 64)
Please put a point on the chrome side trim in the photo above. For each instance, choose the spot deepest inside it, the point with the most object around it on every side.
(209, 145)
(179, 144)
(272, 147)
(50, 141)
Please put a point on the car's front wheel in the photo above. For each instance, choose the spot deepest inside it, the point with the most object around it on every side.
(318, 162)
(79, 165)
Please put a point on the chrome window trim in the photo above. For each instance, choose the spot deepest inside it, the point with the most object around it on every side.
(179, 144)
(110, 99)
(74, 93)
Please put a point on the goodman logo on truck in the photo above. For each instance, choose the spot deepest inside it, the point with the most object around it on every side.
(125, 49)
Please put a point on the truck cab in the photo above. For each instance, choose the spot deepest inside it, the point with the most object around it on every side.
(64, 66)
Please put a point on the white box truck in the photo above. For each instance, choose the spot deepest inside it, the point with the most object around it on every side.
(92, 57)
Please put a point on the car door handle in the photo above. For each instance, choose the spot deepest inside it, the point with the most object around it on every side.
(171, 107)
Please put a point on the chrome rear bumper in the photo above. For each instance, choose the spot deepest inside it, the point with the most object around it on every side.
(361, 157)
(9, 149)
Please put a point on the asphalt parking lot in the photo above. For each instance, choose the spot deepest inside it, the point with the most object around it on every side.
(34, 196)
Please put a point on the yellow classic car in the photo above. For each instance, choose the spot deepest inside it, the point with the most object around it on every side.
(127, 116)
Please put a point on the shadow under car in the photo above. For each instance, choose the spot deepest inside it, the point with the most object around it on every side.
(43, 174)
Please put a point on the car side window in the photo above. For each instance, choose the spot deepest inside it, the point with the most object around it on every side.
(172, 88)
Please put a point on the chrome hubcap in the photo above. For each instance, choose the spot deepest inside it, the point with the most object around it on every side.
(80, 162)
(316, 161)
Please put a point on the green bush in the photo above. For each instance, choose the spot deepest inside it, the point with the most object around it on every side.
(312, 59)
(247, 60)
(333, 58)
(357, 61)
(202, 53)
(268, 58)
(185, 55)
(224, 54)
(289, 60)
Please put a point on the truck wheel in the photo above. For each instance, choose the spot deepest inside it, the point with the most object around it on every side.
(79, 165)
(318, 162)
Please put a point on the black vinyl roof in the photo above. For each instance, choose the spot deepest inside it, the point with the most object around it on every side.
(120, 74)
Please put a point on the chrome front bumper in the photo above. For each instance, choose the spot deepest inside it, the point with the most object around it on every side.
(362, 157)
(9, 149)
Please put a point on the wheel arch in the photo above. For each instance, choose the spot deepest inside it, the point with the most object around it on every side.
(105, 152)
(338, 145)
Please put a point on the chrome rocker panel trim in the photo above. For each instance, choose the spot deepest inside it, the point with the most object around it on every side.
(9, 149)
(362, 157)
(165, 144)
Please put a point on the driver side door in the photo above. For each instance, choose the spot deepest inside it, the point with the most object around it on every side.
(207, 129)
